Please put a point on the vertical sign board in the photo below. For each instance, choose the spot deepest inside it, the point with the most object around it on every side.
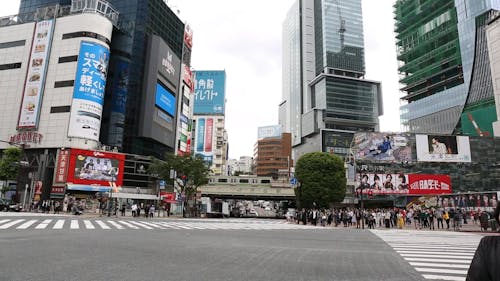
(35, 80)
(209, 92)
(118, 103)
(203, 141)
(209, 127)
(88, 93)
(200, 134)
(62, 166)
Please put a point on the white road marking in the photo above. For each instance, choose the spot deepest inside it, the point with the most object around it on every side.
(102, 224)
(9, 224)
(128, 224)
(74, 224)
(113, 223)
(88, 224)
(27, 224)
(59, 224)
(43, 224)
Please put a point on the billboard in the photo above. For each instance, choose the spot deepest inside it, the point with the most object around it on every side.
(382, 147)
(187, 77)
(96, 168)
(273, 131)
(209, 92)
(62, 166)
(88, 92)
(35, 78)
(403, 184)
(204, 138)
(168, 64)
(479, 122)
(188, 36)
(470, 201)
(434, 148)
(164, 99)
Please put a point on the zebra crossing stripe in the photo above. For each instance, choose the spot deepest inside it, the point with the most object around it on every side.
(167, 225)
(9, 224)
(440, 260)
(441, 277)
(128, 224)
(468, 257)
(59, 224)
(113, 223)
(74, 224)
(439, 270)
(102, 224)
(27, 224)
(153, 225)
(141, 225)
(43, 224)
(463, 266)
(88, 224)
(436, 252)
(2, 221)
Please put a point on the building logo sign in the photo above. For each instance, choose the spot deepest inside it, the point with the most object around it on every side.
(26, 137)
(88, 93)
(35, 79)
(167, 63)
(209, 92)
(62, 166)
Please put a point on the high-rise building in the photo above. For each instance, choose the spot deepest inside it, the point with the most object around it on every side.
(325, 96)
(272, 154)
(209, 107)
(244, 165)
(145, 69)
(492, 34)
(445, 68)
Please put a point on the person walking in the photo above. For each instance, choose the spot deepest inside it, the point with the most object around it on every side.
(134, 210)
(122, 210)
(446, 217)
(431, 220)
(439, 217)
(152, 211)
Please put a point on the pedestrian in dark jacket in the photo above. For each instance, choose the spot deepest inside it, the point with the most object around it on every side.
(486, 261)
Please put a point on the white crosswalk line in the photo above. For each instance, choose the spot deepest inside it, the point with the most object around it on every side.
(102, 224)
(440, 277)
(153, 225)
(10, 224)
(26, 224)
(128, 224)
(43, 224)
(435, 255)
(74, 224)
(167, 225)
(116, 225)
(59, 224)
(88, 224)
(445, 265)
(2, 221)
(140, 224)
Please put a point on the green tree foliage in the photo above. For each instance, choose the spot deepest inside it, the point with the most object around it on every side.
(191, 172)
(9, 163)
(322, 180)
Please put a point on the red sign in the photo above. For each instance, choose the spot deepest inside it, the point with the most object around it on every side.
(26, 137)
(57, 190)
(168, 197)
(96, 168)
(429, 184)
(209, 127)
(38, 187)
(62, 166)
(188, 37)
(188, 77)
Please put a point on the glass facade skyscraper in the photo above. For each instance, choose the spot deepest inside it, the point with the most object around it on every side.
(325, 98)
(443, 54)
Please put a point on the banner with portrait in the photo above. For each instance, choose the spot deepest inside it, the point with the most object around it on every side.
(383, 147)
(403, 184)
(438, 148)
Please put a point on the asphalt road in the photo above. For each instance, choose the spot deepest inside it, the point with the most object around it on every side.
(199, 254)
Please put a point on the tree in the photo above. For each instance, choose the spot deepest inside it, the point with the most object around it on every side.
(322, 180)
(9, 166)
(191, 172)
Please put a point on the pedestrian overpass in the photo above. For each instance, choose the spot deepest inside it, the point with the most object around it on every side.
(248, 188)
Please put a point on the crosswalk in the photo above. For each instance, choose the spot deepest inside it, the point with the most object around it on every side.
(435, 255)
(124, 224)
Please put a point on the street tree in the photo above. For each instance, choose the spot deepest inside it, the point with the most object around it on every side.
(322, 180)
(190, 173)
(9, 166)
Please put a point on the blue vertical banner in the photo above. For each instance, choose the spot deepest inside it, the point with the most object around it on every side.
(118, 103)
(200, 134)
(88, 92)
(210, 92)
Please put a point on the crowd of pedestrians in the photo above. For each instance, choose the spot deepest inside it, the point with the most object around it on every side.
(418, 218)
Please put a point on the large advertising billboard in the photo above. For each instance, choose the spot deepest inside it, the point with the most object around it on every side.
(209, 92)
(403, 184)
(479, 122)
(35, 79)
(96, 168)
(382, 147)
(434, 148)
(471, 201)
(164, 99)
(273, 131)
(204, 138)
(88, 93)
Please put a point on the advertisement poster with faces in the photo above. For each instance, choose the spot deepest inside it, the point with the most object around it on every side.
(95, 167)
(37, 68)
(438, 148)
(88, 93)
(404, 184)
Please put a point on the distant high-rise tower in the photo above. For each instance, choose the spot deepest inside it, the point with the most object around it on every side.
(325, 96)
(445, 65)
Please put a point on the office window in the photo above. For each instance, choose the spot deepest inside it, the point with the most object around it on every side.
(61, 84)
(12, 44)
(67, 59)
(60, 109)
(10, 66)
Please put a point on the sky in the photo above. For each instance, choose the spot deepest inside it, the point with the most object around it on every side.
(244, 38)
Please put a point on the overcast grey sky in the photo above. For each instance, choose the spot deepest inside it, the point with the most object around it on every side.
(244, 38)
